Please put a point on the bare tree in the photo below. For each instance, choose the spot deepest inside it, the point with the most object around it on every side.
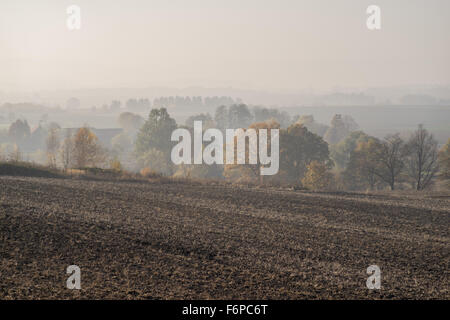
(66, 150)
(15, 155)
(422, 161)
(2, 156)
(390, 158)
(444, 164)
(52, 144)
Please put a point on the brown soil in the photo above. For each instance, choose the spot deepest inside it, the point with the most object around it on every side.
(196, 241)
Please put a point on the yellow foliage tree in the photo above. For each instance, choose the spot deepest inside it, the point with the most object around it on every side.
(360, 173)
(86, 149)
(250, 172)
(318, 177)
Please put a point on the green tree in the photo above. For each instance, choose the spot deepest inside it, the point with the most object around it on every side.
(115, 105)
(205, 118)
(262, 114)
(340, 153)
(155, 136)
(130, 122)
(19, 130)
(337, 131)
(298, 148)
(121, 144)
(239, 116)
(221, 117)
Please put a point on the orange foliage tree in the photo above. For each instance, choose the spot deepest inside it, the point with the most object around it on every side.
(86, 149)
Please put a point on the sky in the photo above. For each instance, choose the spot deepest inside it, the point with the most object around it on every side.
(274, 45)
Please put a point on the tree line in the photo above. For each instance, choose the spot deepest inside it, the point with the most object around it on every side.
(312, 155)
(342, 157)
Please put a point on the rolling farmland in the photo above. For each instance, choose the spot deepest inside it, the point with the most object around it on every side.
(181, 240)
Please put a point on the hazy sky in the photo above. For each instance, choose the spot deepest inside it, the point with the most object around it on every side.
(258, 44)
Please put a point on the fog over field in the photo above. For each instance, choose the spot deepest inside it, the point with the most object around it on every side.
(280, 46)
(300, 56)
(238, 149)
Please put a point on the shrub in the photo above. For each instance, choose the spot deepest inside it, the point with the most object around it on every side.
(27, 170)
(149, 173)
(116, 165)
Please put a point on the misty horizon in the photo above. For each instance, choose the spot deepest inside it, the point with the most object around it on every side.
(234, 151)
(281, 47)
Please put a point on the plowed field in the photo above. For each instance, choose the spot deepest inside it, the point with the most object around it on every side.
(135, 240)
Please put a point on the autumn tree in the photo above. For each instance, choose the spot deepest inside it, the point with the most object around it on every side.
(312, 125)
(116, 165)
(298, 148)
(248, 171)
(362, 165)
(422, 160)
(86, 149)
(156, 161)
(318, 177)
